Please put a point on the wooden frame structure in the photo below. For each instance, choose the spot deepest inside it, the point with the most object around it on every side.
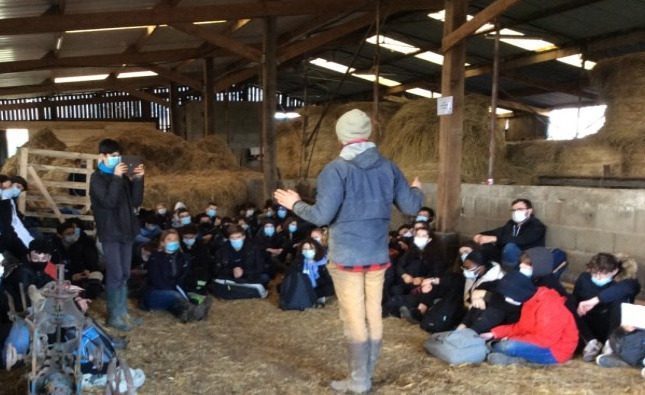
(50, 191)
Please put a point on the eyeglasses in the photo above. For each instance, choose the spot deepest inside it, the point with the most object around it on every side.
(519, 209)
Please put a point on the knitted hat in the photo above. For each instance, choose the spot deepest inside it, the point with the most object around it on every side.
(353, 125)
(542, 261)
(516, 286)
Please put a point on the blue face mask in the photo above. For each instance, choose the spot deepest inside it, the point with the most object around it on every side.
(237, 244)
(11, 193)
(293, 228)
(422, 218)
(77, 232)
(528, 272)
(269, 231)
(211, 212)
(309, 254)
(601, 282)
(189, 242)
(171, 247)
(282, 213)
(112, 161)
(245, 226)
(185, 220)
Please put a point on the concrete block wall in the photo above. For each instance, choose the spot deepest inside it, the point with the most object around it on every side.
(581, 221)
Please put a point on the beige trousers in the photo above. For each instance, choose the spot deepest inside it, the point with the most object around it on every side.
(359, 298)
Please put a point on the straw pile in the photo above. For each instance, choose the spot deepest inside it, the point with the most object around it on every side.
(619, 146)
(252, 347)
(325, 146)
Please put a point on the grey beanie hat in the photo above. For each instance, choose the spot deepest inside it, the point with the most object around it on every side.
(353, 125)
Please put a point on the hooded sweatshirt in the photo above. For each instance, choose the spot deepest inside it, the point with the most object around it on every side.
(545, 322)
(355, 197)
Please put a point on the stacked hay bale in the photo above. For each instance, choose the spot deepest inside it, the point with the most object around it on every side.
(193, 172)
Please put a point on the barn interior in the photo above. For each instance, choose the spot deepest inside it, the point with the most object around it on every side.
(225, 100)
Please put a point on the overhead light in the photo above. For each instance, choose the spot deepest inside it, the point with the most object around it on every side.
(576, 60)
(209, 22)
(137, 74)
(381, 80)
(286, 115)
(80, 78)
(327, 64)
(59, 42)
(423, 93)
(502, 111)
(392, 44)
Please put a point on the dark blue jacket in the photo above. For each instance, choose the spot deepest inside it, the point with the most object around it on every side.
(355, 197)
(531, 234)
(616, 291)
(167, 271)
(114, 200)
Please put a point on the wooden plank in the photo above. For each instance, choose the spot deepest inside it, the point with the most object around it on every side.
(35, 179)
(23, 162)
(177, 77)
(39, 214)
(208, 98)
(64, 184)
(220, 40)
(61, 154)
(71, 170)
(593, 182)
(484, 16)
(149, 97)
(451, 126)
(65, 199)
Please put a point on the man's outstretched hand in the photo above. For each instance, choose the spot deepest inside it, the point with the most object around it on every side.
(286, 198)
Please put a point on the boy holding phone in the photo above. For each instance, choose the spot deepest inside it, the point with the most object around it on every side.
(114, 197)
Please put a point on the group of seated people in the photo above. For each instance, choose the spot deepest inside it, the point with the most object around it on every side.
(505, 285)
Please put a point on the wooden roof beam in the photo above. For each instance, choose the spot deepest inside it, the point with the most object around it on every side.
(143, 95)
(484, 16)
(177, 77)
(48, 87)
(220, 40)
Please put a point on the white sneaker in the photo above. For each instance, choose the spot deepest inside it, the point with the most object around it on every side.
(591, 350)
(606, 348)
(138, 378)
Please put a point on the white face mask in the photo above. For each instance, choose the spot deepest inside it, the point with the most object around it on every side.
(469, 274)
(421, 242)
(520, 216)
(527, 271)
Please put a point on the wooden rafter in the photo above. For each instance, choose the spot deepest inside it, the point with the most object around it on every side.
(143, 95)
(48, 87)
(484, 16)
(220, 40)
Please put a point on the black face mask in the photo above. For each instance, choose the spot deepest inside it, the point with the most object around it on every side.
(38, 266)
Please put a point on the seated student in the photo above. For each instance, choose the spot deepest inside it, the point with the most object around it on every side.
(211, 211)
(521, 232)
(626, 343)
(291, 237)
(164, 218)
(150, 229)
(608, 282)
(183, 218)
(268, 211)
(80, 257)
(270, 244)
(14, 236)
(248, 231)
(281, 213)
(422, 260)
(311, 258)
(165, 290)
(202, 263)
(481, 277)
(321, 236)
(546, 332)
(537, 264)
(238, 260)
(425, 214)
(175, 222)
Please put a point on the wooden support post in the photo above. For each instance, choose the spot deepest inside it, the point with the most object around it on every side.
(269, 76)
(174, 109)
(451, 126)
(208, 94)
(23, 162)
(493, 111)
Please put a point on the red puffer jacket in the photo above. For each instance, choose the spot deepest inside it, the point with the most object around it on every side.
(544, 322)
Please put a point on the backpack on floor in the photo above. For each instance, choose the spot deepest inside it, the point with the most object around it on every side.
(629, 346)
(227, 289)
(457, 347)
(296, 292)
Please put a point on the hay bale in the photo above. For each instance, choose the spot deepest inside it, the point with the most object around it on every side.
(195, 189)
(325, 146)
(43, 139)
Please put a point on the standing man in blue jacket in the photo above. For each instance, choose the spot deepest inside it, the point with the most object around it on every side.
(115, 197)
(355, 193)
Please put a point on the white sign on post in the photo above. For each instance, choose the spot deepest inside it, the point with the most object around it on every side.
(444, 105)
